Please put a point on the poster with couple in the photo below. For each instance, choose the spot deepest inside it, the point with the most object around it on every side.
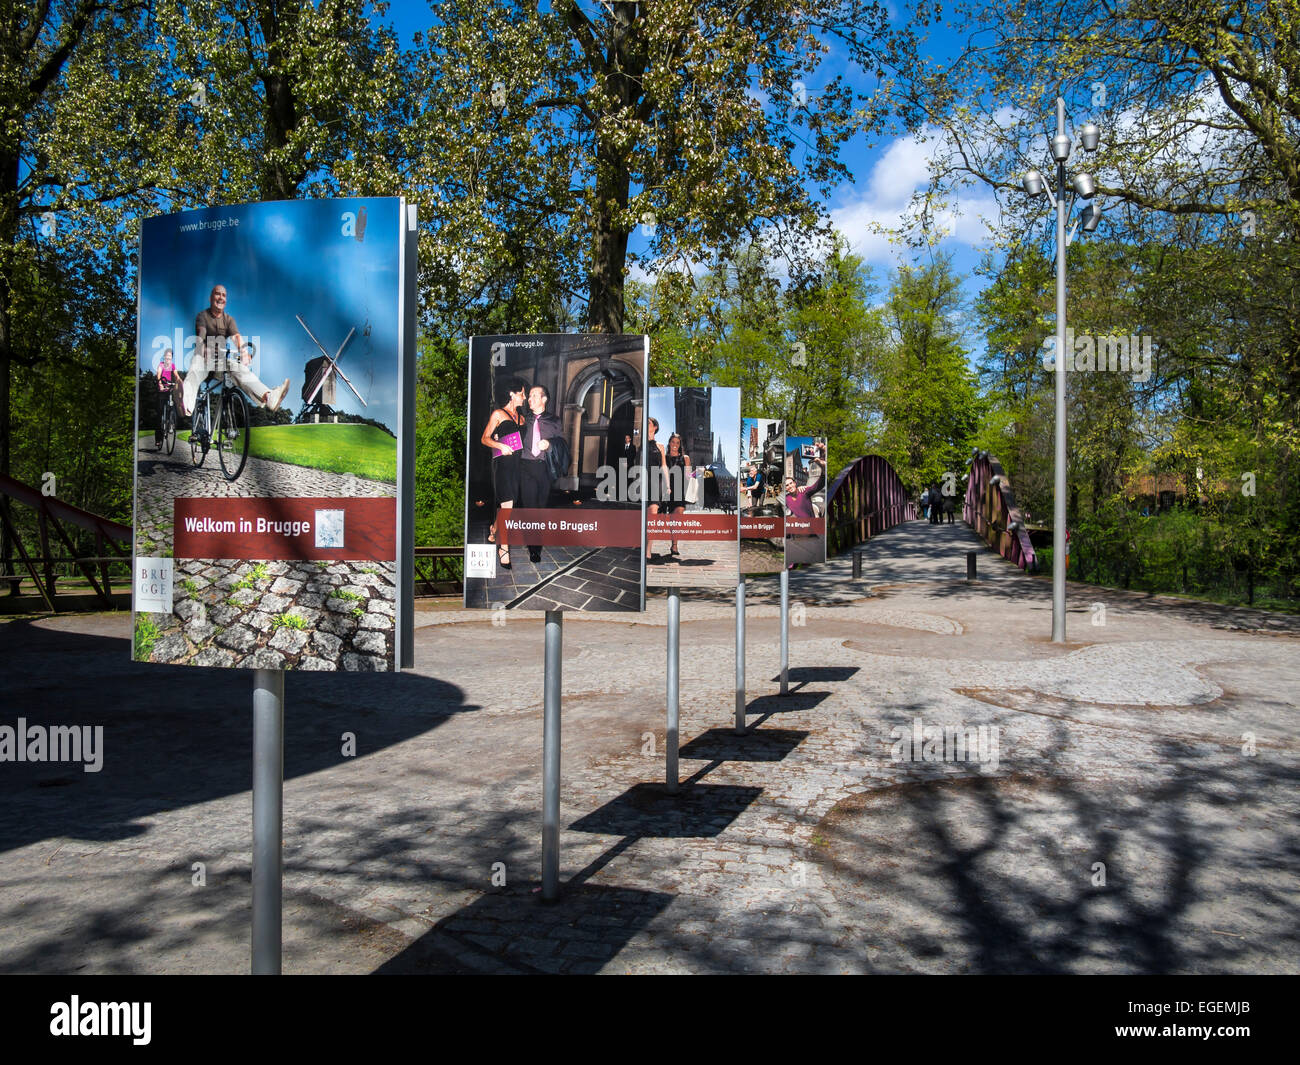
(274, 441)
(691, 456)
(762, 513)
(555, 510)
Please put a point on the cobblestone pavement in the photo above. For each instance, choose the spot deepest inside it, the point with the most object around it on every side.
(1134, 811)
(699, 564)
(279, 615)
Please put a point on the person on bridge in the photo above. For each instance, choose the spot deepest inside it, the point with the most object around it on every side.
(936, 505)
(925, 503)
(949, 505)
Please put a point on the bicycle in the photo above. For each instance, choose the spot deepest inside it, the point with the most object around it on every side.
(168, 419)
(231, 419)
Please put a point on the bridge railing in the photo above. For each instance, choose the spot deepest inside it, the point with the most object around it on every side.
(866, 498)
(990, 509)
(112, 543)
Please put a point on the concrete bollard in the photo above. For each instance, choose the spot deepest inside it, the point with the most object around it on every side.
(970, 565)
(857, 565)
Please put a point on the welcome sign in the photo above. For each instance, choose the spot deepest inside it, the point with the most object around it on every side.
(274, 436)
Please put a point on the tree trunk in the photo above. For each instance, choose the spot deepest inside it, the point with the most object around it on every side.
(8, 238)
(608, 245)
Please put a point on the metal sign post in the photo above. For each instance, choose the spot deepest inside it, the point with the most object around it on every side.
(785, 630)
(740, 656)
(268, 819)
(551, 756)
(674, 647)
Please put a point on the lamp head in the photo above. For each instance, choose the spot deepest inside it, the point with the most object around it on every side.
(1090, 136)
(1085, 186)
(1091, 216)
(1060, 147)
(1032, 183)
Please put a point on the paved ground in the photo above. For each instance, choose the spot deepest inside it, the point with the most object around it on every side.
(943, 790)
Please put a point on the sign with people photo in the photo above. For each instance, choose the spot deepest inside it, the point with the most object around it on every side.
(762, 507)
(803, 494)
(691, 452)
(554, 500)
(273, 442)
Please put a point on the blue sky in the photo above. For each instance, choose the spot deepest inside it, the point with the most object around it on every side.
(278, 260)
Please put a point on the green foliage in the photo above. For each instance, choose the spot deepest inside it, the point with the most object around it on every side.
(146, 635)
(288, 621)
(363, 450)
(923, 390)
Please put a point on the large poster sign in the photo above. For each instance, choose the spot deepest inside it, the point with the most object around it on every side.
(691, 452)
(804, 496)
(275, 377)
(554, 506)
(762, 510)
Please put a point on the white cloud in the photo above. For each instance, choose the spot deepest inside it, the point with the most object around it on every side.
(875, 211)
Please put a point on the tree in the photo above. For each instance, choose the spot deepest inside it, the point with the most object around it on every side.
(923, 391)
(548, 135)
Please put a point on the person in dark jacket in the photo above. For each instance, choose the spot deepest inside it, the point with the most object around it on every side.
(540, 428)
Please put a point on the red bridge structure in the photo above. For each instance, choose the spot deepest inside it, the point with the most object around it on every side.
(990, 509)
(867, 497)
(112, 542)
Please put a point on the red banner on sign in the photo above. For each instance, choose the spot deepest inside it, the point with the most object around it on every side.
(805, 526)
(569, 527)
(762, 528)
(720, 527)
(289, 529)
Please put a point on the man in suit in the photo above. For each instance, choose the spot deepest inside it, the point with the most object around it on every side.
(540, 428)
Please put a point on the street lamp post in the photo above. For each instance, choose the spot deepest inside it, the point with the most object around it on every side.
(1084, 188)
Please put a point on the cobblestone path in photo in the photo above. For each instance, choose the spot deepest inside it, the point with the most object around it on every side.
(262, 615)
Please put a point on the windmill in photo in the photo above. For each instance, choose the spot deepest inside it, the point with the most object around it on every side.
(320, 378)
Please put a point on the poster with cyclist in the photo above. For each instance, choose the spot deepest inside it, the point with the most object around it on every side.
(274, 436)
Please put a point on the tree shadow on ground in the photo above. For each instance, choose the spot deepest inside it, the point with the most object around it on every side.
(178, 735)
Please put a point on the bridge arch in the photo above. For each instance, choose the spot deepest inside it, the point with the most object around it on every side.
(867, 497)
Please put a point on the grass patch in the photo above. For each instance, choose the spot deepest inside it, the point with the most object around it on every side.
(191, 589)
(343, 593)
(288, 621)
(258, 573)
(359, 449)
(146, 635)
(357, 612)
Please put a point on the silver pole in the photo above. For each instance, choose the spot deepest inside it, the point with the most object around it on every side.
(551, 756)
(268, 818)
(785, 630)
(1058, 508)
(740, 656)
(674, 647)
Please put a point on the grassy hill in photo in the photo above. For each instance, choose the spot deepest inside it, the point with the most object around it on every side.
(358, 449)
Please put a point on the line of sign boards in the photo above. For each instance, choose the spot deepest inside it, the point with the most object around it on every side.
(275, 444)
